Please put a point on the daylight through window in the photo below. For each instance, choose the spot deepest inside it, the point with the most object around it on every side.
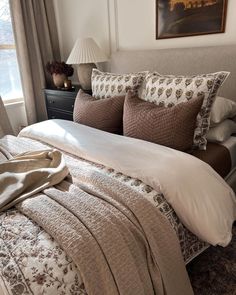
(10, 83)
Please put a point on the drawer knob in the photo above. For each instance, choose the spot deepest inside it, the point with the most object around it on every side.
(72, 106)
(51, 101)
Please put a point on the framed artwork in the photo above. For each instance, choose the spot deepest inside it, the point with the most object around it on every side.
(180, 18)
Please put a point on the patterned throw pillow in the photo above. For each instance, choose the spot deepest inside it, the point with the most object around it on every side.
(172, 127)
(104, 114)
(168, 90)
(105, 85)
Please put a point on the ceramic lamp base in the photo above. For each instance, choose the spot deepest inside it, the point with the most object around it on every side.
(84, 72)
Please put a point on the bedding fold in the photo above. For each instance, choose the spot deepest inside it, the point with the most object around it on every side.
(29, 173)
(203, 201)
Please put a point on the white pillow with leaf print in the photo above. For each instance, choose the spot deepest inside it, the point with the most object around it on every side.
(107, 85)
(169, 90)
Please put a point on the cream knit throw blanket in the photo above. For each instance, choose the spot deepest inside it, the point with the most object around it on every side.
(120, 243)
(28, 174)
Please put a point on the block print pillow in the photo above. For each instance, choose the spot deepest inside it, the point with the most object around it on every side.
(106, 85)
(169, 90)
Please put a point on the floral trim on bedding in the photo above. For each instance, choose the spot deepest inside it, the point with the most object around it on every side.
(31, 262)
(191, 246)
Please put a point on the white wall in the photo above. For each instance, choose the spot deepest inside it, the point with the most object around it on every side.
(126, 24)
(82, 18)
(136, 28)
(119, 24)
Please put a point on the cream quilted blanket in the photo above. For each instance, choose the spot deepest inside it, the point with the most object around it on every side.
(120, 243)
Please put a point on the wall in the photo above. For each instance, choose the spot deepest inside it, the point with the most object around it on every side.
(118, 24)
(126, 24)
(82, 18)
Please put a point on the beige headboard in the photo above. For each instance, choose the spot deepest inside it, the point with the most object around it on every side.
(198, 60)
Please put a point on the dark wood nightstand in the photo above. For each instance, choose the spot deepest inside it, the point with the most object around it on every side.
(60, 103)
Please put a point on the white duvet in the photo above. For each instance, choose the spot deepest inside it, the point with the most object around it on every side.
(200, 197)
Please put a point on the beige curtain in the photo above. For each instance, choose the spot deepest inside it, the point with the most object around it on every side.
(37, 43)
(5, 125)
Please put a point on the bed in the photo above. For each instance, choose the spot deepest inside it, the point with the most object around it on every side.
(33, 262)
(177, 61)
(221, 157)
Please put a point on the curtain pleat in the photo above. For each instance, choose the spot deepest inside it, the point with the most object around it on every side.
(5, 125)
(36, 39)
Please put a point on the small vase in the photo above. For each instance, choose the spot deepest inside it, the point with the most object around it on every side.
(58, 80)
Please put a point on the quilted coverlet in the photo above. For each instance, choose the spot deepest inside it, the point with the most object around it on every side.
(32, 262)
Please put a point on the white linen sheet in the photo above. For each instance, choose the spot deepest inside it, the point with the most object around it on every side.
(200, 197)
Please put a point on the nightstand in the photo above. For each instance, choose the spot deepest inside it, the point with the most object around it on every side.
(60, 103)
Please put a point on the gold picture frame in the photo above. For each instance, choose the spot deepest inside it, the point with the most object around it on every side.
(182, 18)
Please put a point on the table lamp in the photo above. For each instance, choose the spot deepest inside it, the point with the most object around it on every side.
(85, 54)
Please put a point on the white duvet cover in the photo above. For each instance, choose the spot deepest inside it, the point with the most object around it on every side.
(200, 197)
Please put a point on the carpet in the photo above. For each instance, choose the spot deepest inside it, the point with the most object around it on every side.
(214, 271)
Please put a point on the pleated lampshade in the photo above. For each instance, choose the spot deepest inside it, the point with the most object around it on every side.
(86, 51)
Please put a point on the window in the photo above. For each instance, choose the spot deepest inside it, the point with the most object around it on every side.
(10, 83)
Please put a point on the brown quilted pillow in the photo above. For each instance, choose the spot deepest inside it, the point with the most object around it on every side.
(105, 114)
(172, 127)
(169, 90)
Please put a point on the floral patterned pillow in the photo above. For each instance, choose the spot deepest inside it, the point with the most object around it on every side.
(169, 90)
(106, 85)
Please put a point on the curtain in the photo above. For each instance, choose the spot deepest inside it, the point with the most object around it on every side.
(5, 125)
(36, 39)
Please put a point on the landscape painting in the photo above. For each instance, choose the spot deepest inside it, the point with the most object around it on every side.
(179, 18)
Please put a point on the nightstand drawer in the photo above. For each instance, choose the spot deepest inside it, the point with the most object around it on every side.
(56, 114)
(61, 103)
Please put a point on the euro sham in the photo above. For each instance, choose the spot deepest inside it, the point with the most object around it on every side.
(169, 90)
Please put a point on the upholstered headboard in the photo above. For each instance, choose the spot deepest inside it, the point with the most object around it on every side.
(198, 60)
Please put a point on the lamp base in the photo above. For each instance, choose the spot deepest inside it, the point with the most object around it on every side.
(84, 72)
